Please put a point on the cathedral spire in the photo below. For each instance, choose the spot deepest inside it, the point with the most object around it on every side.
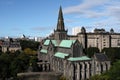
(60, 33)
(60, 23)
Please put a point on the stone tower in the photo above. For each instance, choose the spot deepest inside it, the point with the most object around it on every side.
(83, 37)
(60, 33)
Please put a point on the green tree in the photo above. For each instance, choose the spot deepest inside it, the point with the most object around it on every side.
(29, 44)
(20, 64)
(30, 51)
(100, 77)
(112, 53)
(33, 63)
(91, 51)
(4, 66)
(114, 72)
(63, 78)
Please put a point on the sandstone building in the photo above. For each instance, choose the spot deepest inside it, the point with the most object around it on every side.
(64, 54)
(99, 38)
(10, 45)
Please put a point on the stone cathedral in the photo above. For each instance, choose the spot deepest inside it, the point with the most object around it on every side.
(65, 56)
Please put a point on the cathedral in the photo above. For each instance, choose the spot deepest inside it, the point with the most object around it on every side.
(63, 55)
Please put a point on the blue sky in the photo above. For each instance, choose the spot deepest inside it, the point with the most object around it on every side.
(39, 17)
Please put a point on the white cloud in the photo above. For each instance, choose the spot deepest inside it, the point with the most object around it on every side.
(105, 12)
(86, 5)
(95, 8)
(114, 11)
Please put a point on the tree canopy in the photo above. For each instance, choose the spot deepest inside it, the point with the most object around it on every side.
(91, 51)
(13, 63)
(29, 44)
(114, 72)
(112, 53)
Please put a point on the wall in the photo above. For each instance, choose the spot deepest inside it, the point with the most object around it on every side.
(39, 76)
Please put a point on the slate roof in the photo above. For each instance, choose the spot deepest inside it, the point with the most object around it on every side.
(101, 57)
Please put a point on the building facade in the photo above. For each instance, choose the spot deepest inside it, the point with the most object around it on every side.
(10, 45)
(60, 53)
(99, 38)
(76, 30)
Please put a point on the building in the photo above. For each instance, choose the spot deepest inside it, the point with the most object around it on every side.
(38, 39)
(10, 45)
(60, 54)
(99, 38)
(76, 30)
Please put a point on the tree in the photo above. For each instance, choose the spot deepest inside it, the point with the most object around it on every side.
(91, 51)
(114, 72)
(20, 64)
(100, 77)
(112, 53)
(63, 78)
(29, 44)
(33, 63)
(4, 66)
(30, 51)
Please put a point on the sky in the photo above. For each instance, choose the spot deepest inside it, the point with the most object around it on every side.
(39, 17)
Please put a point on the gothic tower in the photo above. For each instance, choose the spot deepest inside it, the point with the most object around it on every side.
(60, 33)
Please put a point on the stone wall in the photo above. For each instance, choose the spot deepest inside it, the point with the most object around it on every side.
(39, 76)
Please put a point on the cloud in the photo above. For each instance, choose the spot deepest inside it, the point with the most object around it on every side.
(107, 23)
(102, 13)
(85, 5)
(95, 8)
(114, 11)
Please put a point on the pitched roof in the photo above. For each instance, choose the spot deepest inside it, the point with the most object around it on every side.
(66, 43)
(43, 51)
(61, 55)
(63, 43)
(54, 42)
(47, 42)
(101, 57)
(83, 58)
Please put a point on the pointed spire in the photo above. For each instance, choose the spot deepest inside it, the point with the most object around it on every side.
(60, 24)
